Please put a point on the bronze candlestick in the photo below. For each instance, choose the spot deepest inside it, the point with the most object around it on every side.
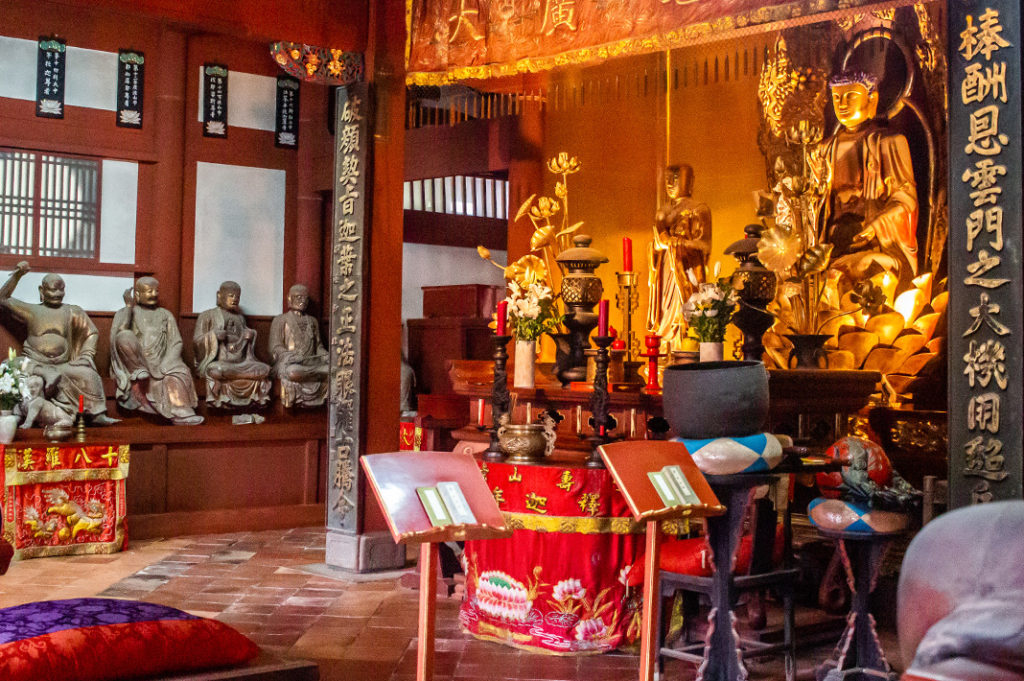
(80, 427)
(500, 398)
(599, 402)
(627, 299)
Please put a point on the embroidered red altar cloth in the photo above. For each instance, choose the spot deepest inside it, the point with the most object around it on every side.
(64, 499)
(559, 584)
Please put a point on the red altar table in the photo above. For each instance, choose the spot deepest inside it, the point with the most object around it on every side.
(63, 499)
(558, 585)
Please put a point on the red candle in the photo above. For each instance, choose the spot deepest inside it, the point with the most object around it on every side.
(502, 317)
(81, 404)
(627, 254)
(602, 318)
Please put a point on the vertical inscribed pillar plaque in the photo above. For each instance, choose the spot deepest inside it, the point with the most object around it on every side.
(985, 309)
(347, 305)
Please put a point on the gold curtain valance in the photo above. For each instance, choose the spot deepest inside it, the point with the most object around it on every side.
(452, 40)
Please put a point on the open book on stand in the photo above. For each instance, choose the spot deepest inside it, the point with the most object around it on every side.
(445, 504)
(673, 487)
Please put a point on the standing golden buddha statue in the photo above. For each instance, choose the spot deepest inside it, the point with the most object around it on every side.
(676, 256)
(871, 207)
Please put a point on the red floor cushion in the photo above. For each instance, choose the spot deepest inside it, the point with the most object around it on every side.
(95, 639)
(693, 557)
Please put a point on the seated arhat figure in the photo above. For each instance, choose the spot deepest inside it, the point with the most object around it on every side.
(145, 358)
(61, 345)
(224, 353)
(300, 360)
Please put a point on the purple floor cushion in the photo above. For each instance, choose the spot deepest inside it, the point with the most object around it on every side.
(94, 639)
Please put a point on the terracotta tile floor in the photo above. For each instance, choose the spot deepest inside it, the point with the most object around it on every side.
(355, 629)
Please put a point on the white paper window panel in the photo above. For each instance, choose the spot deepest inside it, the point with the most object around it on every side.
(90, 292)
(91, 79)
(252, 100)
(239, 236)
(118, 207)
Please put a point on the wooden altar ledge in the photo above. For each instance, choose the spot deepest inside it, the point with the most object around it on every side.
(219, 477)
(816, 392)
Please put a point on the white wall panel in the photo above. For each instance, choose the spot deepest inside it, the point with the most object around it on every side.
(91, 76)
(252, 100)
(118, 207)
(239, 236)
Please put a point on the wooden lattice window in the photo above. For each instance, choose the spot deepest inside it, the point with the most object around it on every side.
(49, 204)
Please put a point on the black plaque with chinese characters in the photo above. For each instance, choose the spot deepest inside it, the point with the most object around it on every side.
(985, 309)
(348, 307)
(131, 75)
(51, 70)
(286, 116)
(215, 100)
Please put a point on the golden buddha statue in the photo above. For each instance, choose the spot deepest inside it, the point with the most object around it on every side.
(676, 256)
(870, 212)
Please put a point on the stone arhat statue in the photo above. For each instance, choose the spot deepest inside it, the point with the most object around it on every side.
(61, 345)
(300, 360)
(224, 354)
(145, 358)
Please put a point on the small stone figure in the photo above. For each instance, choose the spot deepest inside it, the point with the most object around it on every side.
(61, 343)
(676, 256)
(145, 358)
(300, 360)
(224, 353)
(37, 410)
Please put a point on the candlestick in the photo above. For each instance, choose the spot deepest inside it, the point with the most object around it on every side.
(501, 318)
(653, 343)
(627, 299)
(627, 254)
(602, 317)
(599, 401)
(500, 398)
(80, 427)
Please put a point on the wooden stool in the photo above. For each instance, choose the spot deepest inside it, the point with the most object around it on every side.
(859, 655)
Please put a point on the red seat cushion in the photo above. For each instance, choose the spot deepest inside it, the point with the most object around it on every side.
(95, 639)
(693, 557)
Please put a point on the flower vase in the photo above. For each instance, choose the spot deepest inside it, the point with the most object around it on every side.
(712, 351)
(8, 426)
(525, 364)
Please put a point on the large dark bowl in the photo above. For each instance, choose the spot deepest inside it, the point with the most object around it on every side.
(715, 399)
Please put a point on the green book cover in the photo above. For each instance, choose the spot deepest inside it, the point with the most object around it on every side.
(665, 489)
(434, 506)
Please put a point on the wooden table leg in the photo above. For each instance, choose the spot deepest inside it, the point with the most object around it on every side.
(428, 606)
(722, 660)
(652, 603)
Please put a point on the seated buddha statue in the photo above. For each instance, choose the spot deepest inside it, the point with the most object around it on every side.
(225, 354)
(300, 360)
(871, 206)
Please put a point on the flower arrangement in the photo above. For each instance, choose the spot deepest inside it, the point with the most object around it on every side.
(710, 308)
(531, 310)
(13, 386)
